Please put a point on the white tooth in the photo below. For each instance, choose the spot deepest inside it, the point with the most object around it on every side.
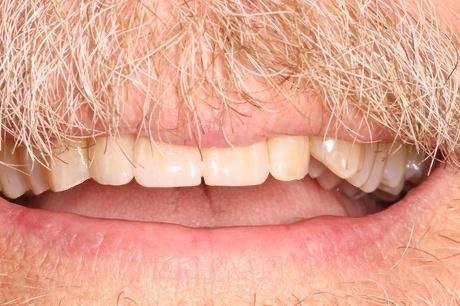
(112, 159)
(376, 174)
(329, 180)
(341, 157)
(239, 166)
(37, 174)
(69, 165)
(415, 166)
(289, 157)
(165, 165)
(396, 190)
(393, 172)
(13, 181)
(369, 155)
(316, 169)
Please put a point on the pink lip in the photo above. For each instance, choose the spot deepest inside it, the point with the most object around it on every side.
(322, 239)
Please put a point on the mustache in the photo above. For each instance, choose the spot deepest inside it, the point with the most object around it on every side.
(392, 62)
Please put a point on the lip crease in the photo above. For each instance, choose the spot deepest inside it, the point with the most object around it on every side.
(321, 239)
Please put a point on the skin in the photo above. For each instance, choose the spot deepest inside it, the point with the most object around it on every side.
(417, 262)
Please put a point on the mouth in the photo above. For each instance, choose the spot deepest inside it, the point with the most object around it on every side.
(229, 152)
(130, 184)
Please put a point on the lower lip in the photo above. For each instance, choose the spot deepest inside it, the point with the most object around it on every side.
(322, 239)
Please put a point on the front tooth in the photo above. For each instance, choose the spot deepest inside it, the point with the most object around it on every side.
(239, 166)
(341, 157)
(36, 172)
(165, 165)
(393, 173)
(289, 157)
(69, 165)
(14, 182)
(111, 159)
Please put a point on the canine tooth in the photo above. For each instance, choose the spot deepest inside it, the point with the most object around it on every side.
(393, 173)
(341, 157)
(165, 165)
(328, 180)
(376, 174)
(369, 155)
(111, 159)
(36, 172)
(239, 166)
(13, 181)
(69, 165)
(289, 157)
(316, 169)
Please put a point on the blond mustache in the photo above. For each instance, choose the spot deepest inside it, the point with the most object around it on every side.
(393, 63)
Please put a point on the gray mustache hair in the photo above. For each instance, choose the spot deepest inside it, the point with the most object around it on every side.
(393, 63)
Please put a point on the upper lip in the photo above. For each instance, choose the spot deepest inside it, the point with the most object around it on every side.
(243, 124)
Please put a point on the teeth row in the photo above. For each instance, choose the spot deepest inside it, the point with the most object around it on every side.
(118, 160)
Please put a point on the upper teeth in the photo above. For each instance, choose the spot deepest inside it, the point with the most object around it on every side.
(111, 160)
(341, 157)
(165, 165)
(236, 166)
(70, 167)
(117, 160)
(289, 157)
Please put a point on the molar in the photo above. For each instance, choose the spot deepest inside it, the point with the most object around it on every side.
(393, 173)
(369, 156)
(415, 167)
(395, 190)
(377, 167)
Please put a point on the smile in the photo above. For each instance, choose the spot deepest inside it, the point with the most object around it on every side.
(229, 152)
(283, 182)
